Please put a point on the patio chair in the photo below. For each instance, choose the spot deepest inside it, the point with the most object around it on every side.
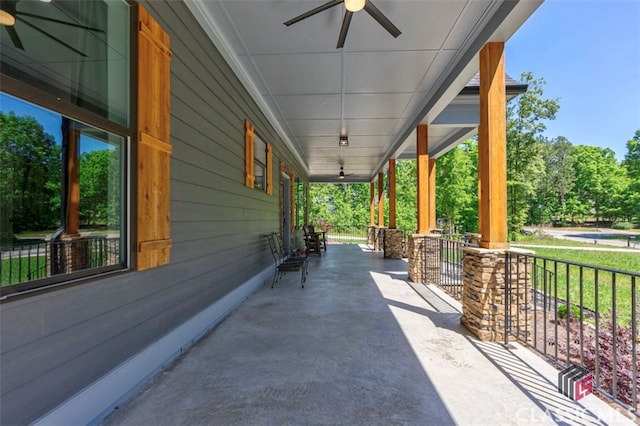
(318, 239)
(311, 242)
(282, 250)
(285, 264)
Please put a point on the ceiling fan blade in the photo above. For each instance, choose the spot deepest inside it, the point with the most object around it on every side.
(345, 27)
(68, 46)
(312, 12)
(382, 20)
(15, 38)
(58, 21)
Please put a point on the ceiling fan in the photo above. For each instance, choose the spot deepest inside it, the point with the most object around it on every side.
(351, 7)
(9, 15)
(342, 175)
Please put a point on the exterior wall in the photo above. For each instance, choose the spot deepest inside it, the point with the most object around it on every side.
(55, 343)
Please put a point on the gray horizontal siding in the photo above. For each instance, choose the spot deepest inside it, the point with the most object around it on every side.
(54, 344)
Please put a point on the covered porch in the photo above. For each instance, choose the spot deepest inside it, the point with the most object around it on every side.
(360, 344)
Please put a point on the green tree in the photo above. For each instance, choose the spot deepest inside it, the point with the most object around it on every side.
(600, 181)
(347, 205)
(29, 176)
(99, 187)
(577, 208)
(457, 188)
(339, 204)
(632, 164)
(406, 196)
(525, 162)
(556, 183)
(632, 157)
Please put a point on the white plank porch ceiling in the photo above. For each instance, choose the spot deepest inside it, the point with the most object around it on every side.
(376, 89)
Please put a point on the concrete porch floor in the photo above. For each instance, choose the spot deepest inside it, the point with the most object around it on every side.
(359, 345)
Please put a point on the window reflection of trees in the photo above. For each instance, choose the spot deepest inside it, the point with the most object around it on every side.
(36, 172)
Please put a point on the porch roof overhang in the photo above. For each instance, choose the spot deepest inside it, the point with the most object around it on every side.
(376, 89)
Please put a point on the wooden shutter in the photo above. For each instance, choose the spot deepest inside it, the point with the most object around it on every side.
(269, 177)
(249, 157)
(154, 144)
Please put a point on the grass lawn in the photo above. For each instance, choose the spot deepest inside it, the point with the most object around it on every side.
(551, 241)
(598, 290)
(606, 259)
(14, 271)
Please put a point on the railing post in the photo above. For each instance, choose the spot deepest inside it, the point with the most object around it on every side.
(441, 258)
(507, 298)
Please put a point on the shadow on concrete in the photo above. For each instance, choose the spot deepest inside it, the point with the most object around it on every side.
(359, 345)
(331, 353)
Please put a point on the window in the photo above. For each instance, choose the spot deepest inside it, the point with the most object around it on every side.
(76, 67)
(61, 189)
(258, 157)
(65, 114)
(77, 51)
(260, 163)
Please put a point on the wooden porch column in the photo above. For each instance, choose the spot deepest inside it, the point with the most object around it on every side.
(372, 204)
(72, 217)
(431, 199)
(306, 204)
(380, 200)
(392, 235)
(392, 193)
(492, 148)
(422, 165)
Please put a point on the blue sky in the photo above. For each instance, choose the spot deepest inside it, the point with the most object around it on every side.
(51, 122)
(588, 51)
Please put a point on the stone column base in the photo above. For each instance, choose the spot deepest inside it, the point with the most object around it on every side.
(379, 245)
(372, 231)
(393, 243)
(485, 293)
(71, 254)
(423, 251)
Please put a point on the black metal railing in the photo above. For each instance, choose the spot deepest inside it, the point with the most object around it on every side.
(580, 314)
(41, 259)
(451, 266)
(24, 262)
(569, 312)
(442, 259)
(350, 233)
(345, 233)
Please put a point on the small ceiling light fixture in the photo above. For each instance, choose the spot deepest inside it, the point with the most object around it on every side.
(344, 141)
(7, 13)
(354, 5)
